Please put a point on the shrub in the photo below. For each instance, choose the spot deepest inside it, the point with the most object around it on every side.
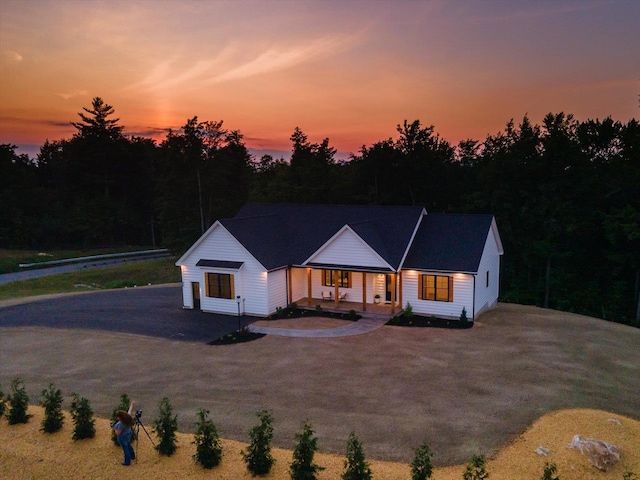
(352, 314)
(464, 321)
(52, 403)
(82, 414)
(258, 456)
(1, 402)
(476, 469)
(629, 476)
(421, 467)
(355, 466)
(208, 447)
(550, 470)
(18, 402)
(408, 311)
(165, 427)
(318, 308)
(124, 404)
(302, 467)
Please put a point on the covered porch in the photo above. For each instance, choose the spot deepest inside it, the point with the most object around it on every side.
(345, 306)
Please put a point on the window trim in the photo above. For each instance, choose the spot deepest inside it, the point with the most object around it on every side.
(424, 283)
(220, 286)
(328, 278)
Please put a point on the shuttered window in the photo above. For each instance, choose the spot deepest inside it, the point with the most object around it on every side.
(435, 287)
(220, 285)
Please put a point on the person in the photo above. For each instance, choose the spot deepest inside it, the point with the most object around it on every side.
(124, 431)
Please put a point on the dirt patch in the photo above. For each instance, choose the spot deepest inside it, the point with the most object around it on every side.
(28, 453)
(465, 391)
(304, 323)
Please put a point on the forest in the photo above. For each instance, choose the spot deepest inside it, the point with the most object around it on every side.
(565, 194)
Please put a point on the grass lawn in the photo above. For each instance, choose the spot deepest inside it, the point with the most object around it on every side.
(145, 272)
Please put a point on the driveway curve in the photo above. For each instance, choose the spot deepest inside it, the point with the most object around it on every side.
(465, 391)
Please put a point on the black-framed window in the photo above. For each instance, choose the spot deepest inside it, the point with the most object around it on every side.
(219, 285)
(329, 277)
(436, 287)
(487, 279)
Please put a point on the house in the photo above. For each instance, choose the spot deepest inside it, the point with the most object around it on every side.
(270, 255)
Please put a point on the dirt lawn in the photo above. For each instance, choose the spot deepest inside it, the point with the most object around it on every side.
(465, 391)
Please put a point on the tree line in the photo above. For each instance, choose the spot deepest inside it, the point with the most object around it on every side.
(566, 194)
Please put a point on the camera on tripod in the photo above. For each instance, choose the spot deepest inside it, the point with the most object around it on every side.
(138, 414)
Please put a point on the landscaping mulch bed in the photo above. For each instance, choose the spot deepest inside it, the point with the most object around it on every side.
(237, 337)
(295, 312)
(432, 322)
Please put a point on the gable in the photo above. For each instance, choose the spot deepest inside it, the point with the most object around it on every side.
(347, 249)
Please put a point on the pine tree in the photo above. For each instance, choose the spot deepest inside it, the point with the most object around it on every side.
(355, 466)
(165, 427)
(421, 467)
(18, 403)
(476, 469)
(302, 467)
(550, 470)
(258, 456)
(52, 403)
(208, 447)
(82, 415)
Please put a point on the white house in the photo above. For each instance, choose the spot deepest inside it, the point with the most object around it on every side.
(270, 255)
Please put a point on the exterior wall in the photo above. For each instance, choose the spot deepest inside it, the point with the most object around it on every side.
(277, 288)
(250, 281)
(462, 295)
(298, 283)
(348, 249)
(487, 296)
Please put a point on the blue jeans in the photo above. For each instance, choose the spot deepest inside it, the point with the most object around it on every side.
(124, 439)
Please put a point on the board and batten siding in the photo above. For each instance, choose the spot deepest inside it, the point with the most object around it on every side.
(462, 295)
(250, 281)
(486, 297)
(347, 248)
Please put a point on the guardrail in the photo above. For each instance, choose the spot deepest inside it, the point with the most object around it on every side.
(159, 253)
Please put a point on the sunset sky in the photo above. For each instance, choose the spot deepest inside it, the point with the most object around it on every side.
(347, 70)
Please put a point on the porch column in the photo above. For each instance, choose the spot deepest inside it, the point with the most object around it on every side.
(289, 284)
(364, 291)
(400, 290)
(309, 299)
(336, 275)
(393, 293)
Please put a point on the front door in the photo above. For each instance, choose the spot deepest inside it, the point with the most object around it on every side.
(195, 291)
(388, 286)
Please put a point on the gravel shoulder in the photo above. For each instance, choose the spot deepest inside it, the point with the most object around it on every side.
(465, 391)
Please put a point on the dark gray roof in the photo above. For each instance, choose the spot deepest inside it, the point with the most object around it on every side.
(279, 235)
(449, 243)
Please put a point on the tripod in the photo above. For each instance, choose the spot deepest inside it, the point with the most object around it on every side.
(136, 431)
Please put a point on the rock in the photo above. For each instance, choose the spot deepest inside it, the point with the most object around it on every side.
(601, 455)
(616, 421)
(542, 451)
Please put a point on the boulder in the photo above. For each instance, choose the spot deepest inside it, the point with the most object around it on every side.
(601, 455)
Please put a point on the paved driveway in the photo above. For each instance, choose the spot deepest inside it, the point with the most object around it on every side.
(149, 311)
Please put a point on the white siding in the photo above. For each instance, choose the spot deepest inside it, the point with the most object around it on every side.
(299, 283)
(250, 281)
(462, 295)
(277, 288)
(347, 248)
(487, 296)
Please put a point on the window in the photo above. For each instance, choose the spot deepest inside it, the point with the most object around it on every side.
(487, 279)
(328, 278)
(220, 285)
(435, 287)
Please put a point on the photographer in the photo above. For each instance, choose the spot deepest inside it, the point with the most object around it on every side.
(124, 432)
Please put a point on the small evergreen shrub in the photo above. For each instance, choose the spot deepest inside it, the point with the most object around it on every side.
(629, 476)
(208, 447)
(550, 471)
(464, 321)
(476, 469)
(18, 401)
(258, 456)
(302, 467)
(421, 467)
(124, 404)
(165, 427)
(355, 466)
(318, 308)
(1, 402)
(52, 403)
(408, 311)
(82, 415)
(352, 314)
